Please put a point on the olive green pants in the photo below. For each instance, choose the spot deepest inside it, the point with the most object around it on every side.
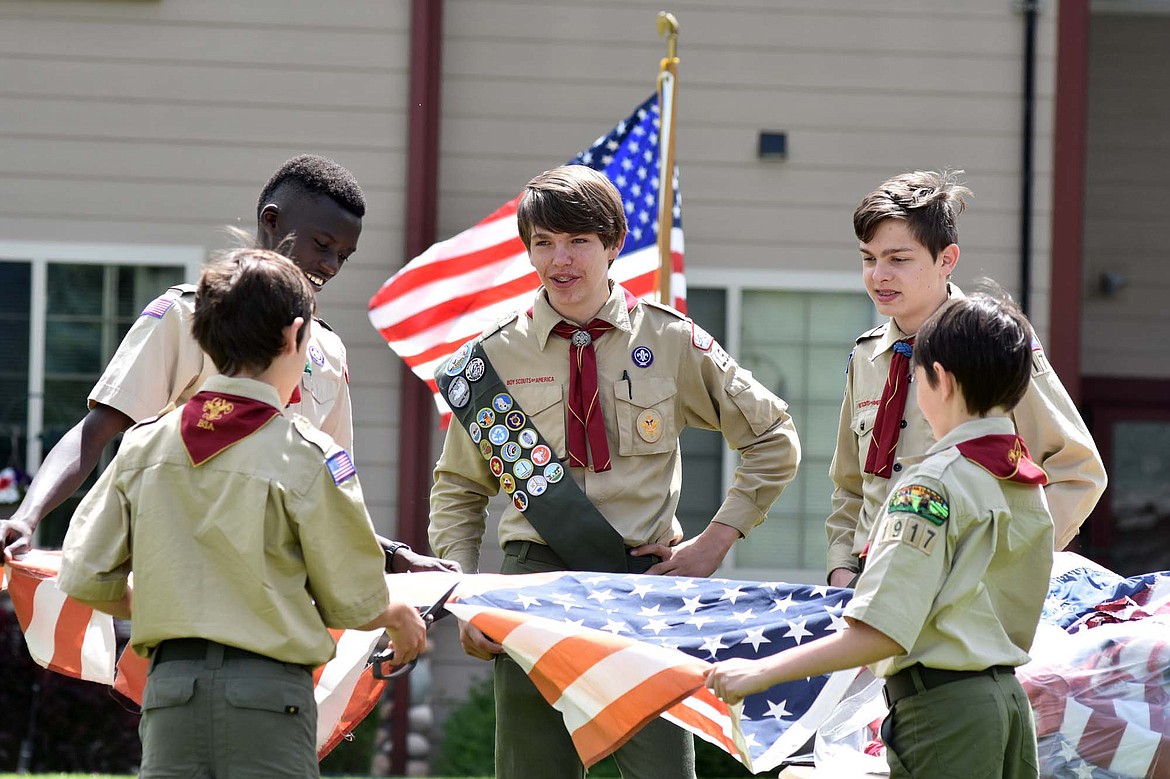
(236, 717)
(976, 728)
(533, 743)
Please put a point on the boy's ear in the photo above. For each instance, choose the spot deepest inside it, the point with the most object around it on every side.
(946, 380)
(948, 258)
(269, 217)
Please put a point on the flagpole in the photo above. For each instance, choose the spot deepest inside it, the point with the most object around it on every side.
(667, 78)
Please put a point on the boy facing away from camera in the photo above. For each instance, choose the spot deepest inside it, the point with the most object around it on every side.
(958, 565)
(247, 537)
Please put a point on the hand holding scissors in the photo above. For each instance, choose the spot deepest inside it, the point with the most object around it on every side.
(381, 658)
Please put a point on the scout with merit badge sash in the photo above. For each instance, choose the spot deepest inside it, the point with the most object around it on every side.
(921, 511)
(528, 471)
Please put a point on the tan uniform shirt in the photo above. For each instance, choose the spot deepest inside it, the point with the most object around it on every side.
(259, 547)
(1045, 418)
(159, 363)
(962, 591)
(689, 381)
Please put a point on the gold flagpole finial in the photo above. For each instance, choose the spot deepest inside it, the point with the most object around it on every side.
(668, 28)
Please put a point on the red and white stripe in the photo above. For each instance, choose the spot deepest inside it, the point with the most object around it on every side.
(460, 287)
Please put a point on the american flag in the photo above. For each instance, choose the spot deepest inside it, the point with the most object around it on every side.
(612, 651)
(72, 639)
(459, 287)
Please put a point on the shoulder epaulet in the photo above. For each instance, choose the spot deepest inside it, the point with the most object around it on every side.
(323, 323)
(877, 332)
(500, 324)
(158, 307)
(674, 312)
(183, 289)
(317, 438)
(935, 465)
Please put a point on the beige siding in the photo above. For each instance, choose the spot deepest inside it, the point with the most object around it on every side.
(1127, 334)
(159, 122)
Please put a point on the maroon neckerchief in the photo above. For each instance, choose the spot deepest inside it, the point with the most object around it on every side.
(888, 426)
(214, 421)
(585, 422)
(1004, 456)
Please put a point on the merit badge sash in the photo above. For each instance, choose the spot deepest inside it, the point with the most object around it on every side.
(213, 421)
(1004, 456)
(529, 473)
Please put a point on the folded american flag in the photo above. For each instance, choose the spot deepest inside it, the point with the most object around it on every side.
(72, 639)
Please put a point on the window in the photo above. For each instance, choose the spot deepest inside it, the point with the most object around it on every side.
(64, 309)
(794, 332)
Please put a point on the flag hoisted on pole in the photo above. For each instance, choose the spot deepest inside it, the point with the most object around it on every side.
(459, 287)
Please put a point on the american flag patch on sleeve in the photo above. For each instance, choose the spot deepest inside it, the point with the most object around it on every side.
(158, 306)
(340, 467)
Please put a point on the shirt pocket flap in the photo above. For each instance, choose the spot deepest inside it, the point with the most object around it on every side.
(863, 422)
(162, 693)
(645, 393)
(538, 399)
(268, 695)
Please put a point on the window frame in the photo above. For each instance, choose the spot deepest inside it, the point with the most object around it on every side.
(39, 255)
(734, 282)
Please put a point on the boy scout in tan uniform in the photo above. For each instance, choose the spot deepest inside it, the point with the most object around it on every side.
(644, 372)
(924, 207)
(957, 571)
(233, 519)
(311, 208)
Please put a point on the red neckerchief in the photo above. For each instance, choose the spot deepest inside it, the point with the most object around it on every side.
(584, 422)
(887, 427)
(213, 421)
(1004, 456)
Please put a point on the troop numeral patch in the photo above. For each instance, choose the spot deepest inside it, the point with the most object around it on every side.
(911, 530)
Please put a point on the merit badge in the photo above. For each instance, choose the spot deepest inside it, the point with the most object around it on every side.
(537, 485)
(642, 356)
(921, 501)
(514, 420)
(485, 417)
(458, 392)
(497, 466)
(341, 467)
(502, 402)
(554, 472)
(498, 435)
(520, 500)
(541, 455)
(510, 451)
(475, 431)
(316, 355)
(158, 307)
(523, 469)
(458, 360)
(527, 438)
(508, 483)
(650, 425)
(485, 448)
(475, 369)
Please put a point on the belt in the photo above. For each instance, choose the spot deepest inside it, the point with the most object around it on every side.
(199, 649)
(541, 553)
(919, 678)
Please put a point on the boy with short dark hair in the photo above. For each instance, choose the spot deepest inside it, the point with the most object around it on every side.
(958, 566)
(312, 209)
(247, 538)
(908, 234)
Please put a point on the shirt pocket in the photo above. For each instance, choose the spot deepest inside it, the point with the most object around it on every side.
(546, 411)
(862, 425)
(322, 385)
(647, 417)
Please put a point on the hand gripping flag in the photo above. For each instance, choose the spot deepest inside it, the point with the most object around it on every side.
(72, 639)
(457, 288)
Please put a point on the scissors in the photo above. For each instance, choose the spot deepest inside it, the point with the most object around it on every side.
(380, 658)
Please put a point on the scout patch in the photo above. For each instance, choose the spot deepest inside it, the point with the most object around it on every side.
(554, 472)
(458, 392)
(475, 370)
(485, 448)
(508, 483)
(910, 529)
(476, 432)
(701, 338)
(537, 485)
(642, 356)
(341, 467)
(520, 501)
(458, 360)
(650, 425)
(157, 307)
(920, 500)
(485, 417)
(721, 357)
(316, 355)
(523, 468)
(514, 420)
(498, 434)
(528, 438)
(502, 402)
(541, 455)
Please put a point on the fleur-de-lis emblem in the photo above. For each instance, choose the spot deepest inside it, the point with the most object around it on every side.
(214, 410)
(1016, 453)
